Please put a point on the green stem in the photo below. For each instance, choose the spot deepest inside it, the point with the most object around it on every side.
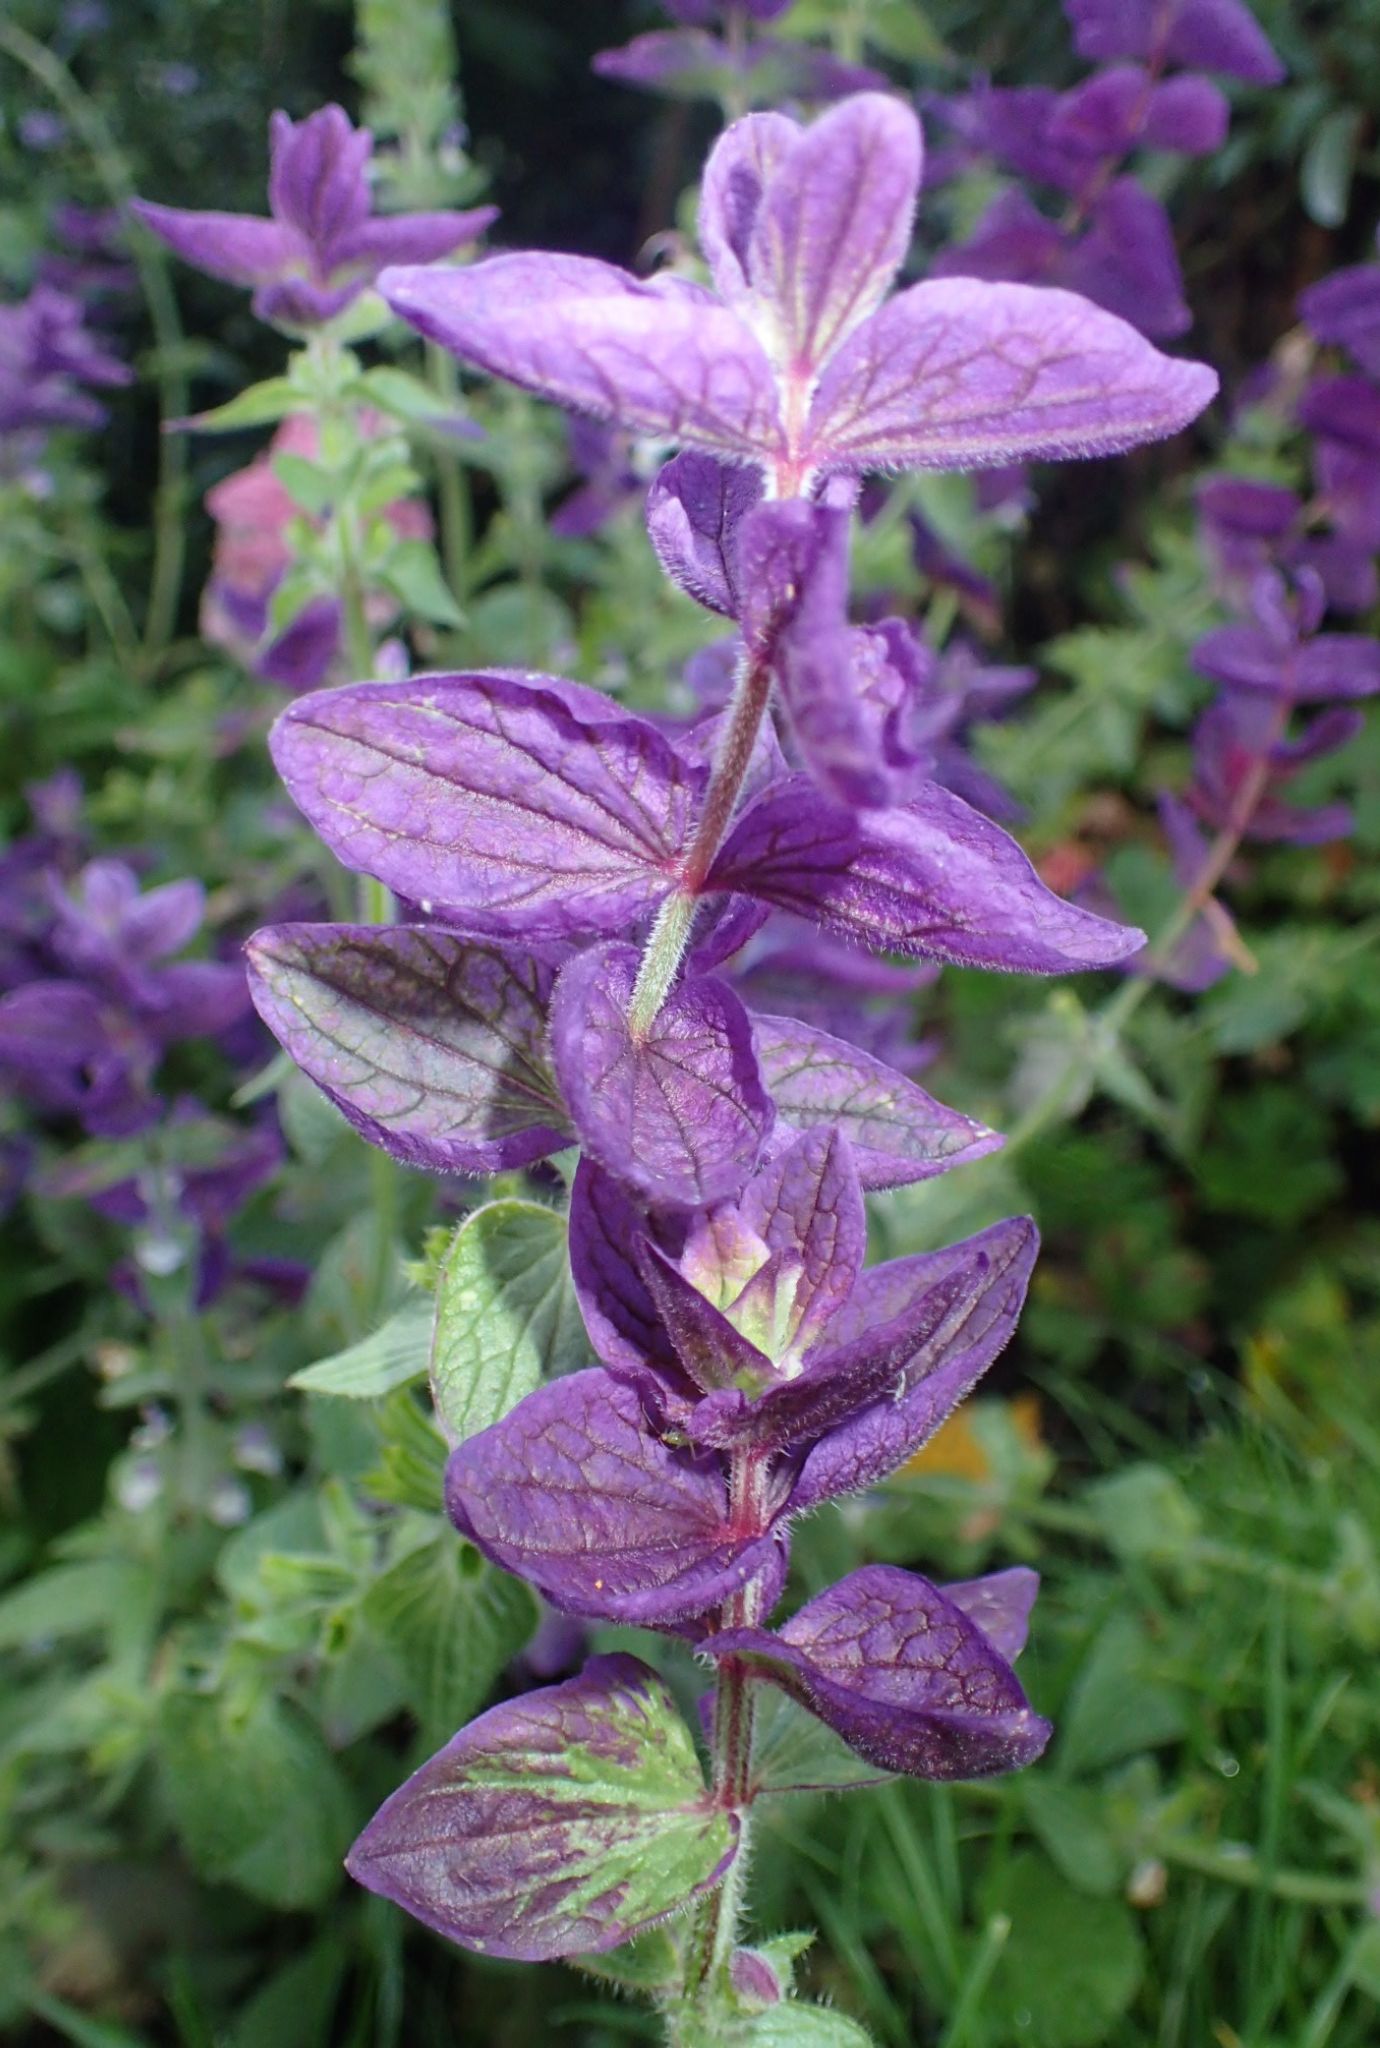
(169, 544)
(671, 932)
(716, 1923)
(452, 484)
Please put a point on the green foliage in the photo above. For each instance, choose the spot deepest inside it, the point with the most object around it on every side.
(506, 1315)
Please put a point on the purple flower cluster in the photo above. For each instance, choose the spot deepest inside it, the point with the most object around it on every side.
(1110, 239)
(92, 1001)
(718, 52)
(584, 874)
(49, 358)
(321, 245)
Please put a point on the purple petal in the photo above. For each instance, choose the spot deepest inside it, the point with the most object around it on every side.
(318, 180)
(1329, 666)
(1127, 262)
(678, 1113)
(733, 188)
(694, 510)
(712, 1351)
(410, 237)
(898, 1133)
(1012, 241)
(1189, 115)
(808, 1204)
(1000, 1604)
(793, 572)
(559, 1823)
(980, 1318)
(622, 1320)
(1222, 35)
(240, 247)
(957, 374)
(1344, 309)
(933, 878)
(596, 340)
(1200, 35)
(193, 999)
(521, 806)
(902, 1674)
(950, 1314)
(833, 228)
(432, 1045)
(573, 1491)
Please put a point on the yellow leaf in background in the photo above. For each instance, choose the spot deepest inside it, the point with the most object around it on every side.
(961, 1448)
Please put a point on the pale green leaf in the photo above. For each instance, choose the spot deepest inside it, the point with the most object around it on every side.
(452, 1622)
(261, 405)
(387, 1358)
(256, 1796)
(506, 1315)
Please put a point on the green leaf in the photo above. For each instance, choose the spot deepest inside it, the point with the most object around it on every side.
(308, 485)
(388, 1358)
(411, 1467)
(649, 1963)
(413, 574)
(452, 1622)
(294, 2008)
(70, 1600)
(257, 1797)
(78, 2027)
(406, 398)
(1069, 1822)
(1071, 1966)
(1119, 1706)
(506, 1315)
(791, 2025)
(1329, 165)
(261, 405)
(794, 1752)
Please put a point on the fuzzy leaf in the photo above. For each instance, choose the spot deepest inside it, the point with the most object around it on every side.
(432, 1045)
(388, 1357)
(678, 1113)
(901, 1673)
(932, 877)
(506, 1316)
(657, 357)
(898, 1133)
(560, 1822)
(520, 806)
(573, 1491)
(452, 1622)
(961, 374)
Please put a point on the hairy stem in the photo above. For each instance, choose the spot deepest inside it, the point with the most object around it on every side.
(671, 932)
(716, 1922)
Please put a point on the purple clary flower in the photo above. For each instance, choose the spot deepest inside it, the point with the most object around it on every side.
(739, 67)
(1194, 35)
(47, 358)
(321, 246)
(586, 873)
(1344, 310)
(1112, 239)
(797, 363)
(609, 481)
(85, 1038)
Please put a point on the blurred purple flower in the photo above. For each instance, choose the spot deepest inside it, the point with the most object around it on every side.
(320, 247)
